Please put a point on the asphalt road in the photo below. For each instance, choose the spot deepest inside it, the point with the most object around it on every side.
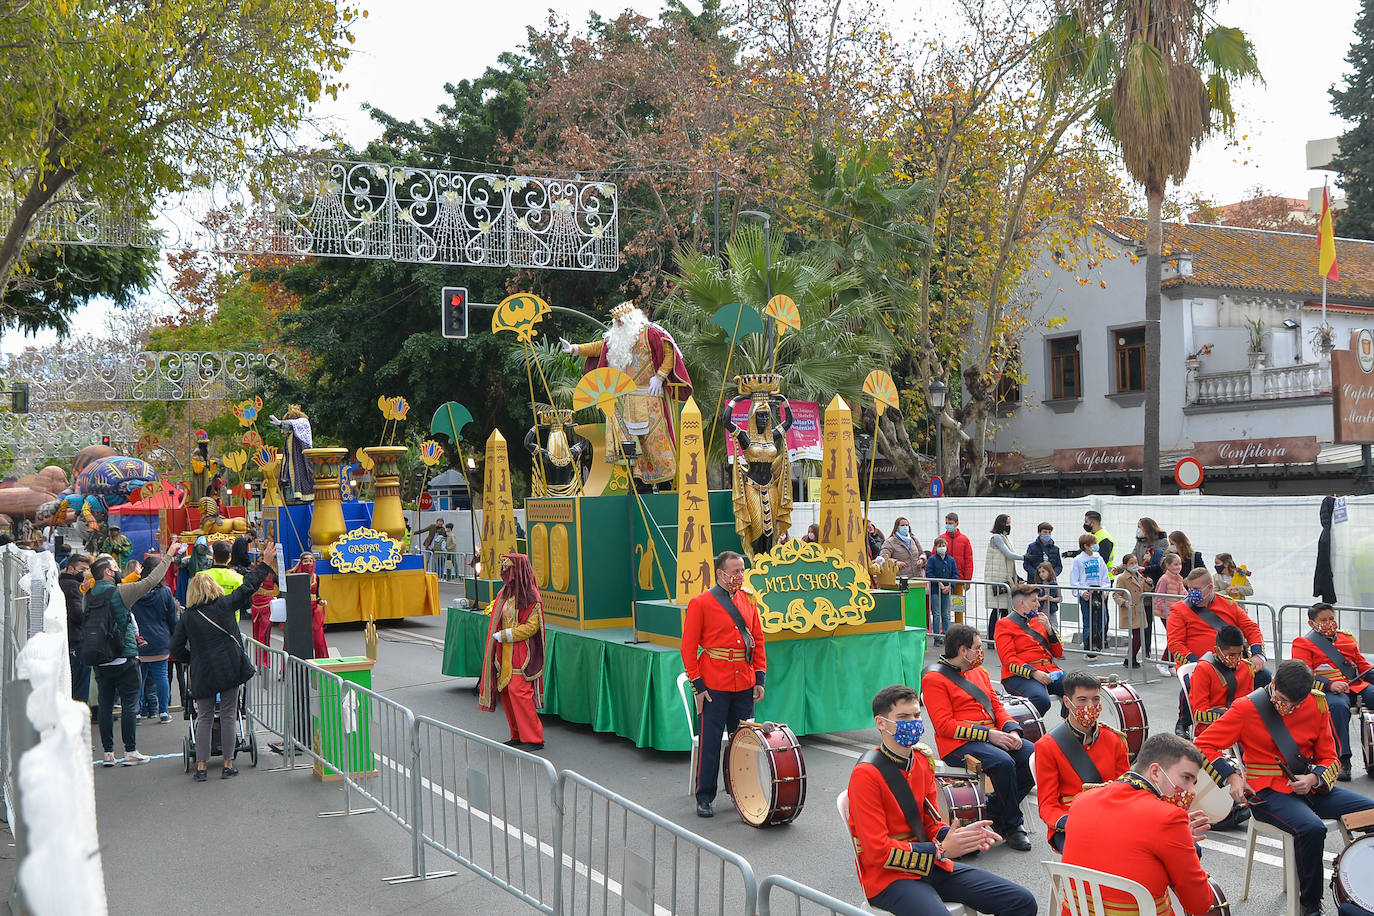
(257, 838)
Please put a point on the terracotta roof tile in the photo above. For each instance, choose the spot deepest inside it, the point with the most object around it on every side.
(1227, 257)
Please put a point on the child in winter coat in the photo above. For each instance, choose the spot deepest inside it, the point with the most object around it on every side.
(1087, 575)
(1047, 585)
(1130, 607)
(941, 566)
(1171, 583)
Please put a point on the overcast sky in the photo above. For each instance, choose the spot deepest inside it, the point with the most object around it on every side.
(408, 49)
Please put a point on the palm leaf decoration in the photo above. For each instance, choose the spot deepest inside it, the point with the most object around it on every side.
(879, 386)
(783, 309)
(449, 420)
(737, 319)
(600, 388)
(519, 312)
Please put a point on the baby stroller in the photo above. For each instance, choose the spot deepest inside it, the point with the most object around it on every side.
(247, 738)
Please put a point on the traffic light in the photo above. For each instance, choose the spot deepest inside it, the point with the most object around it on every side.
(105, 441)
(19, 397)
(454, 312)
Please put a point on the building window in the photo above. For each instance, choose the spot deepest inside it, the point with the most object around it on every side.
(1066, 377)
(1130, 359)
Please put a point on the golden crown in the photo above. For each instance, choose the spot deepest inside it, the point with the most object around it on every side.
(756, 384)
(549, 416)
(623, 309)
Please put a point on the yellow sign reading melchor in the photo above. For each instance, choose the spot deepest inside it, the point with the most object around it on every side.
(801, 587)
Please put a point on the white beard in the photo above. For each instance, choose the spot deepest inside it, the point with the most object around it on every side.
(621, 338)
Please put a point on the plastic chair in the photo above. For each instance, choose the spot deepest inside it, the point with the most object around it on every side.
(689, 709)
(1079, 890)
(1185, 673)
(1257, 829)
(842, 805)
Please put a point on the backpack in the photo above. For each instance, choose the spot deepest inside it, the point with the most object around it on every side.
(102, 638)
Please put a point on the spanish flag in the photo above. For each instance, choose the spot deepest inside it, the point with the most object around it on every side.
(1326, 243)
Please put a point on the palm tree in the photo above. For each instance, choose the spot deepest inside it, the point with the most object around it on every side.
(1164, 69)
(831, 354)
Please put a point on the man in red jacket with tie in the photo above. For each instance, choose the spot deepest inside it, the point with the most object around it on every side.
(968, 718)
(722, 652)
(903, 851)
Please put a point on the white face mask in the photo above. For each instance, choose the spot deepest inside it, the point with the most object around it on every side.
(940, 551)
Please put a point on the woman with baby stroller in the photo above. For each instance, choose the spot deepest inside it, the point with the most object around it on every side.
(207, 636)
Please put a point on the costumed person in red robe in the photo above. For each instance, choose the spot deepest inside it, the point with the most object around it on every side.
(306, 564)
(513, 658)
(650, 356)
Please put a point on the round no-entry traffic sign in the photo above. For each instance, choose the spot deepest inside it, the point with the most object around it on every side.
(1188, 473)
(426, 501)
(937, 487)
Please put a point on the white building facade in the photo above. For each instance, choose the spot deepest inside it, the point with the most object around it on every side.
(1245, 382)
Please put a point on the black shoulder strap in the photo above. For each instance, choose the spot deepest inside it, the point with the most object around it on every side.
(900, 789)
(1295, 762)
(1328, 647)
(723, 599)
(957, 678)
(1076, 754)
(1208, 616)
(1034, 633)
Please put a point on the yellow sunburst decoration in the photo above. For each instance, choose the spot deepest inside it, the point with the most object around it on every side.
(881, 388)
(783, 309)
(600, 388)
(519, 312)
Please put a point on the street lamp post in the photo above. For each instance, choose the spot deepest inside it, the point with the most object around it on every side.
(936, 392)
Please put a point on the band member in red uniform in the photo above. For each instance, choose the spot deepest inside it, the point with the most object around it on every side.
(1290, 763)
(722, 652)
(968, 718)
(1192, 631)
(1341, 670)
(903, 851)
(1027, 647)
(1077, 754)
(1219, 678)
(514, 653)
(1138, 827)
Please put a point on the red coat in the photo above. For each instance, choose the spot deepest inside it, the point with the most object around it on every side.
(961, 550)
(1190, 637)
(1309, 724)
(1057, 783)
(1305, 651)
(957, 718)
(721, 664)
(1124, 828)
(1207, 691)
(1020, 653)
(884, 850)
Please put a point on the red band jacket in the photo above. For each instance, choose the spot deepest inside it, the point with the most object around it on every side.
(957, 718)
(1306, 650)
(885, 849)
(1190, 637)
(1207, 691)
(712, 649)
(1309, 724)
(1057, 784)
(1022, 654)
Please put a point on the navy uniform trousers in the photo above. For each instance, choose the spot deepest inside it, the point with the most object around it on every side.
(720, 716)
(1301, 816)
(1011, 778)
(975, 887)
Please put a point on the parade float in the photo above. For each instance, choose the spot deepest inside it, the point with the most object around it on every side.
(617, 566)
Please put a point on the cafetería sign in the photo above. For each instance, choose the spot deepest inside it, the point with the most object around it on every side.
(1352, 390)
(1103, 458)
(801, 586)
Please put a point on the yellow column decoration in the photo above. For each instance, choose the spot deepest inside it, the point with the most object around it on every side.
(498, 507)
(694, 551)
(842, 526)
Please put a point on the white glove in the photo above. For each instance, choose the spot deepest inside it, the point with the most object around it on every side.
(273, 418)
(496, 637)
(564, 345)
(655, 386)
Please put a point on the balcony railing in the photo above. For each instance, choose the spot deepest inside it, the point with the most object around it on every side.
(1260, 384)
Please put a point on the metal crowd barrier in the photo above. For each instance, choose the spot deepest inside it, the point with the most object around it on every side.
(1273, 642)
(614, 847)
(795, 893)
(490, 808)
(446, 564)
(1348, 617)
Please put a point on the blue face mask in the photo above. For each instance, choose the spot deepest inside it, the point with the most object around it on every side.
(1032, 613)
(908, 731)
(904, 531)
(1045, 538)
(951, 528)
(1092, 548)
(1194, 596)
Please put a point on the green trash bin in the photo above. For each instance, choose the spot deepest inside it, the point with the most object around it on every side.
(341, 723)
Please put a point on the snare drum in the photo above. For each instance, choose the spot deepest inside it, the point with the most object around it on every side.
(1130, 714)
(1025, 714)
(1352, 877)
(767, 773)
(961, 799)
(1367, 738)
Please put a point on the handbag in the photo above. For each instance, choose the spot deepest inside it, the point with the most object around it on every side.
(246, 667)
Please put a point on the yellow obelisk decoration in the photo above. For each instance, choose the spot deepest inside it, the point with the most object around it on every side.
(842, 524)
(498, 508)
(694, 551)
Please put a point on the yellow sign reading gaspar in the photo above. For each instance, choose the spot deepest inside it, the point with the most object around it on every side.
(801, 587)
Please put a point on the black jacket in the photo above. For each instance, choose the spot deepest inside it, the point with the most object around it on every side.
(207, 636)
(70, 583)
(1037, 553)
(1324, 579)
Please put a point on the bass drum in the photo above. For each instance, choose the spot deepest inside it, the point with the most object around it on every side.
(1130, 715)
(1367, 739)
(1025, 713)
(1220, 905)
(961, 799)
(767, 775)
(1352, 877)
